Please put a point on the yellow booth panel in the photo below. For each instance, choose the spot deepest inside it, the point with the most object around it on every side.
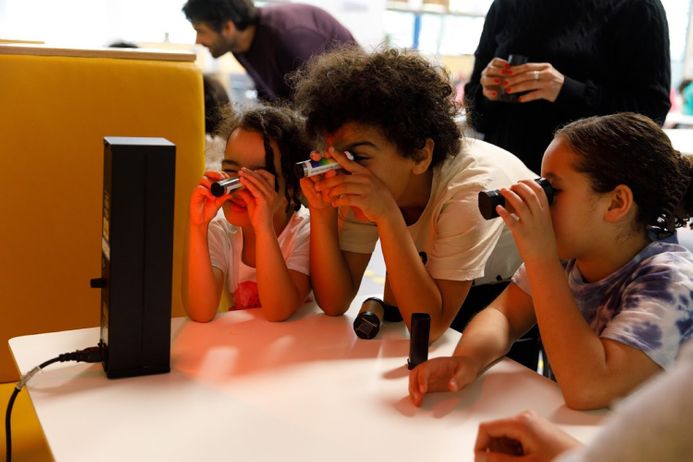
(54, 113)
(28, 441)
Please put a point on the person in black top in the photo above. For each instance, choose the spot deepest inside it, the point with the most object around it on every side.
(585, 57)
(269, 42)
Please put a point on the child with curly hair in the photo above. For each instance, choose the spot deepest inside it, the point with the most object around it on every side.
(412, 183)
(258, 249)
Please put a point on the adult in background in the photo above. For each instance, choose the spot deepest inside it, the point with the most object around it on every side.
(585, 57)
(269, 42)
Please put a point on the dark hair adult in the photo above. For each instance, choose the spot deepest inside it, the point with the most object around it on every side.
(399, 92)
(217, 12)
(270, 42)
(631, 149)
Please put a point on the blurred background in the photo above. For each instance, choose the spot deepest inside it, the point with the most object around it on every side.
(447, 31)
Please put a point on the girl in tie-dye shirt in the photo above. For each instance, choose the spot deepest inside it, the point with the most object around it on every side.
(603, 277)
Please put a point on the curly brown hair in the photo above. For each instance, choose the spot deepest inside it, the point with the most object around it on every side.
(283, 126)
(631, 149)
(399, 92)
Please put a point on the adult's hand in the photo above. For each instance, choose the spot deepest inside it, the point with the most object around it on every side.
(538, 80)
(492, 78)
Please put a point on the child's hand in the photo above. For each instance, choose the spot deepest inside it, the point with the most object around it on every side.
(260, 197)
(530, 221)
(526, 435)
(203, 205)
(361, 190)
(440, 374)
(317, 200)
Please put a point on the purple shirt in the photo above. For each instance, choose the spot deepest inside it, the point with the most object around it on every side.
(286, 36)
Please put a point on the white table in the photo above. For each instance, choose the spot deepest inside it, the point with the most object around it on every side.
(242, 388)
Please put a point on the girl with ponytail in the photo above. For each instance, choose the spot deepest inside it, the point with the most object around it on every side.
(603, 275)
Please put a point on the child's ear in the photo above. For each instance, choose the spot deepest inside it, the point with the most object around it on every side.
(620, 205)
(425, 156)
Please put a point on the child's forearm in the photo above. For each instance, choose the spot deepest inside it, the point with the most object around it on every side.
(279, 296)
(493, 330)
(333, 285)
(487, 338)
(413, 288)
(202, 292)
(576, 352)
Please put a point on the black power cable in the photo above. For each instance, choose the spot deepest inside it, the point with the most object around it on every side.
(88, 355)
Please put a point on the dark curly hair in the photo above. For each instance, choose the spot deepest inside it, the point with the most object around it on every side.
(216, 99)
(632, 150)
(286, 128)
(215, 13)
(399, 92)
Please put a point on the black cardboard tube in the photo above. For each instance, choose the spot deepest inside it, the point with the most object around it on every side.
(418, 344)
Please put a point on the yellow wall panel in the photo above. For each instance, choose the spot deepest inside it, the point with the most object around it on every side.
(54, 113)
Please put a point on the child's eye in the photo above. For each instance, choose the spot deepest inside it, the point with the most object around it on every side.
(231, 172)
(358, 158)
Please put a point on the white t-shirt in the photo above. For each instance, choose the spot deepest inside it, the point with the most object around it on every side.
(455, 241)
(226, 249)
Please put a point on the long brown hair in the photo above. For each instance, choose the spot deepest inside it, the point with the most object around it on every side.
(632, 150)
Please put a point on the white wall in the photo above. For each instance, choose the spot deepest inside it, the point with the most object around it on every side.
(364, 18)
(93, 23)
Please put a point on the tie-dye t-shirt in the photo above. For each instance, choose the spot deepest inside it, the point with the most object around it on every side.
(647, 304)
